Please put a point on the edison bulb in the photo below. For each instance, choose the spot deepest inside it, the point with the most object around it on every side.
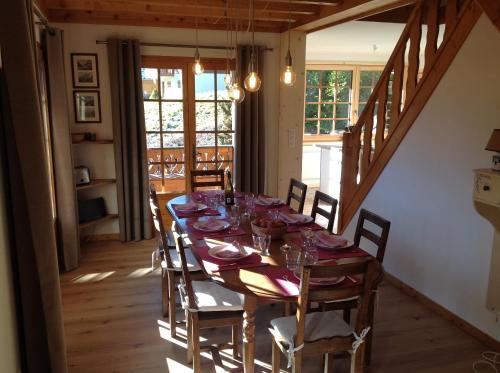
(228, 79)
(236, 93)
(252, 82)
(288, 77)
(198, 67)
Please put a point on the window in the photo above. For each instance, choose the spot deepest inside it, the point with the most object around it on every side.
(189, 120)
(335, 97)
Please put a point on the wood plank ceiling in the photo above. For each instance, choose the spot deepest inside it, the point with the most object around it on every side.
(270, 15)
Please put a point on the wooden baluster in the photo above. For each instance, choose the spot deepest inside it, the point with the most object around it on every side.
(397, 87)
(413, 57)
(367, 142)
(432, 7)
(350, 158)
(381, 114)
(450, 17)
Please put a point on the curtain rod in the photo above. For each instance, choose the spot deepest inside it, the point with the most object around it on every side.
(181, 45)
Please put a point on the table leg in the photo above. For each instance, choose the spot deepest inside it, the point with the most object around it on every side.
(249, 307)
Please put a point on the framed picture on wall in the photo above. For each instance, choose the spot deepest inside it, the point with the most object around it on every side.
(87, 106)
(85, 70)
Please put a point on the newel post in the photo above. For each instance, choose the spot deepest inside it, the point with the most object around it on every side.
(348, 181)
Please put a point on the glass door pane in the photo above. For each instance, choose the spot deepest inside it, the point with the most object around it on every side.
(163, 93)
(214, 123)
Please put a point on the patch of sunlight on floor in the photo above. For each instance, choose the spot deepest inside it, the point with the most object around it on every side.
(92, 277)
(164, 329)
(139, 272)
(176, 367)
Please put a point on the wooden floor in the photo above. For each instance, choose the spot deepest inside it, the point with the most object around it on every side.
(112, 315)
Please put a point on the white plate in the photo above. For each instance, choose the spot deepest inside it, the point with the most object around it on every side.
(308, 219)
(199, 207)
(214, 250)
(327, 281)
(200, 225)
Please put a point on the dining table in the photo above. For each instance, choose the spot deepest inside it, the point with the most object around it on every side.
(265, 281)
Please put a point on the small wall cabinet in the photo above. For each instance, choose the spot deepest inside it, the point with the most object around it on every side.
(487, 203)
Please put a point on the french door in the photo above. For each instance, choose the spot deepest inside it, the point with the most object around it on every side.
(189, 120)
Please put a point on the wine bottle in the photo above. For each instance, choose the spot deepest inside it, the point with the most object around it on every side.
(229, 190)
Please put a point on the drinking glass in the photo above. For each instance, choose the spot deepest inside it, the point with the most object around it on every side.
(262, 243)
(292, 256)
(234, 218)
(250, 203)
(307, 236)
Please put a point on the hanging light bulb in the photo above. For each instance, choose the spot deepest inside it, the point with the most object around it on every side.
(197, 66)
(228, 79)
(288, 76)
(236, 93)
(252, 81)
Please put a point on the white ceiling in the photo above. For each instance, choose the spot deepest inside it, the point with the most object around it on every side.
(353, 41)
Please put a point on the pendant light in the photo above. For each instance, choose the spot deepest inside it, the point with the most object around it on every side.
(288, 76)
(252, 81)
(197, 66)
(236, 93)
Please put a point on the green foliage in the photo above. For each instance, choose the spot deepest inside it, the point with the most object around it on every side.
(154, 95)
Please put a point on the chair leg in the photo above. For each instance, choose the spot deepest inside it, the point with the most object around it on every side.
(297, 362)
(189, 337)
(328, 361)
(347, 315)
(369, 338)
(172, 312)
(288, 309)
(235, 331)
(357, 359)
(276, 357)
(195, 331)
(164, 293)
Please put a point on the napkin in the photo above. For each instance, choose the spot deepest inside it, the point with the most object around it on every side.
(330, 240)
(190, 206)
(294, 218)
(268, 201)
(211, 224)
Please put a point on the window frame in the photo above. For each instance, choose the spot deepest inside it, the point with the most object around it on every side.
(356, 69)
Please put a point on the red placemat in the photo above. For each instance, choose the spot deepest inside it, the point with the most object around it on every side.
(350, 252)
(201, 235)
(195, 214)
(298, 227)
(212, 264)
(287, 284)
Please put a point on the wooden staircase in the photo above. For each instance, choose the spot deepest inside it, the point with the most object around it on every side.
(401, 93)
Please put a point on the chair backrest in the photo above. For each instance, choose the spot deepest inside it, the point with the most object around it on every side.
(367, 273)
(179, 246)
(162, 237)
(216, 179)
(379, 240)
(325, 199)
(153, 198)
(300, 197)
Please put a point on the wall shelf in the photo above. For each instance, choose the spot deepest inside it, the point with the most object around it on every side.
(97, 142)
(98, 221)
(96, 183)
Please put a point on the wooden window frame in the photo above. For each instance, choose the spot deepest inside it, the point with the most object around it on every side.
(356, 69)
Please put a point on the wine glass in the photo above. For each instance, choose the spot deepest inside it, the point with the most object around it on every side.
(234, 218)
(261, 243)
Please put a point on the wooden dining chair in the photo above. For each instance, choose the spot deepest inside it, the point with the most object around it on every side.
(216, 179)
(207, 305)
(326, 201)
(380, 240)
(300, 196)
(321, 333)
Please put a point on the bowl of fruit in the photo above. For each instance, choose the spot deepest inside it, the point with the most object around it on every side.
(276, 228)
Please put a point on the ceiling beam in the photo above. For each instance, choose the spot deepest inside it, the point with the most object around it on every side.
(135, 19)
(349, 10)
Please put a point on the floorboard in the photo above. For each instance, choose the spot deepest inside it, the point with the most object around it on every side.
(113, 323)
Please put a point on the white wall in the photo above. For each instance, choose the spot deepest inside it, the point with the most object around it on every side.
(80, 38)
(9, 354)
(438, 244)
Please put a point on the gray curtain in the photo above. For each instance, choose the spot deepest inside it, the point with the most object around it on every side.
(31, 223)
(129, 140)
(68, 240)
(250, 128)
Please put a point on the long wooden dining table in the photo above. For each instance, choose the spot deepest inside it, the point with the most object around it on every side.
(255, 283)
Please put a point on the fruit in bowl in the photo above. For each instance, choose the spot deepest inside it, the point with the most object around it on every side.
(264, 225)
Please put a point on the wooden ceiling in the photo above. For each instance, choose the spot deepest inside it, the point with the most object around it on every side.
(270, 15)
